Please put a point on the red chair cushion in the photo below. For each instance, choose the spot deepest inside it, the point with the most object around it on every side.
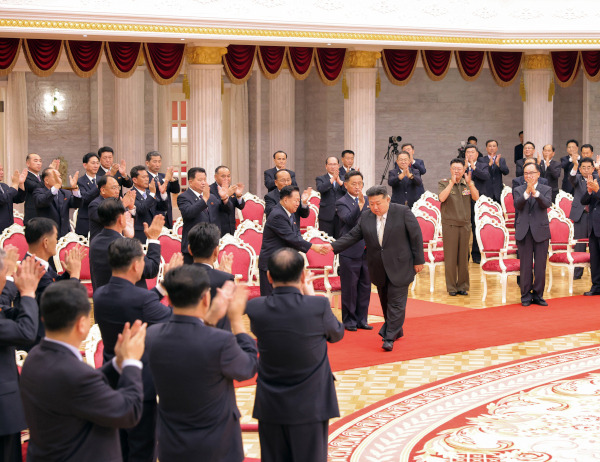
(98, 355)
(253, 211)
(512, 264)
(578, 257)
(253, 292)
(168, 247)
(334, 281)
(18, 240)
(438, 256)
(253, 238)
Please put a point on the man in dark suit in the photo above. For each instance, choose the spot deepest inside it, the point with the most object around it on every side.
(532, 233)
(282, 229)
(9, 195)
(347, 162)
(117, 171)
(197, 413)
(51, 201)
(415, 164)
(203, 246)
(497, 168)
(566, 163)
(394, 255)
(198, 205)
(591, 199)
(519, 148)
(226, 215)
(331, 188)
(529, 152)
(18, 328)
(405, 181)
(120, 302)
(272, 199)
(165, 184)
(109, 188)
(354, 272)
(295, 395)
(111, 213)
(520, 180)
(88, 186)
(33, 180)
(147, 204)
(550, 169)
(280, 159)
(73, 410)
(480, 175)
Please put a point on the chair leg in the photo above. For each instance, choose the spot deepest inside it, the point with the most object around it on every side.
(503, 280)
(414, 284)
(431, 278)
(484, 280)
(571, 271)
(549, 279)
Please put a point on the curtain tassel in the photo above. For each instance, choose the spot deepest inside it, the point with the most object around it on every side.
(377, 85)
(551, 90)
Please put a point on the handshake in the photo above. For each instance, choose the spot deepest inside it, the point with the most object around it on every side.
(322, 249)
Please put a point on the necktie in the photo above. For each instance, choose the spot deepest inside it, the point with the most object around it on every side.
(144, 195)
(94, 181)
(356, 201)
(1, 189)
(292, 222)
(380, 228)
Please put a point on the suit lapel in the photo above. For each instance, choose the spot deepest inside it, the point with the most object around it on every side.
(387, 230)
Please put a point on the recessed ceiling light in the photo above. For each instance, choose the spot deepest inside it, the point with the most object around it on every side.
(182, 39)
(85, 35)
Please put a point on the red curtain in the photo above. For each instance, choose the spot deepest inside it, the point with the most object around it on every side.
(436, 63)
(566, 66)
(591, 64)
(504, 66)
(122, 57)
(42, 55)
(330, 63)
(9, 53)
(271, 61)
(164, 61)
(469, 63)
(238, 62)
(83, 57)
(300, 59)
(399, 65)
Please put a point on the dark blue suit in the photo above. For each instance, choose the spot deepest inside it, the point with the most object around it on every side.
(270, 178)
(567, 166)
(226, 213)
(145, 211)
(330, 193)
(217, 278)
(31, 183)
(405, 191)
(198, 418)
(279, 232)
(94, 220)
(56, 207)
(579, 214)
(419, 165)
(354, 272)
(8, 197)
(551, 173)
(295, 388)
(120, 179)
(494, 190)
(272, 200)
(89, 192)
(481, 178)
(593, 203)
(172, 187)
(116, 303)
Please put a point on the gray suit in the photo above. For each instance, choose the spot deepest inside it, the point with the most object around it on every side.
(579, 215)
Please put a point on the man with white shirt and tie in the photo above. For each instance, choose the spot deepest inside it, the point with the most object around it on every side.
(165, 183)
(33, 181)
(117, 170)
(550, 169)
(89, 191)
(347, 162)
(147, 204)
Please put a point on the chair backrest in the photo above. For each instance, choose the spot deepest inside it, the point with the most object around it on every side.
(251, 233)
(15, 235)
(254, 209)
(508, 205)
(561, 230)
(90, 346)
(564, 201)
(491, 237)
(315, 261)
(428, 209)
(489, 213)
(244, 258)
(151, 283)
(432, 199)
(178, 226)
(428, 226)
(67, 242)
(315, 198)
(311, 221)
(485, 202)
(18, 217)
(170, 243)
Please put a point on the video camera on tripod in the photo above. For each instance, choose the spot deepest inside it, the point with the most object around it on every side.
(391, 154)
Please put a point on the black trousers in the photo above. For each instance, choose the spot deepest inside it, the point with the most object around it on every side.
(595, 262)
(265, 286)
(533, 276)
(356, 290)
(330, 227)
(10, 448)
(393, 303)
(580, 231)
(293, 443)
(475, 253)
(138, 444)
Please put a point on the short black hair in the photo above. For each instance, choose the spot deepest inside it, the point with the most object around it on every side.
(192, 172)
(492, 141)
(152, 154)
(280, 151)
(47, 171)
(63, 303)
(104, 149)
(109, 210)
(472, 138)
(407, 144)
(403, 152)
(458, 160)
(551, 146)
(531, 160)
(331, 157)
(378, 190)
(591, 148)
(471, 146)
(88, 156)
(287, 191)
(521, 132)
(572, 141)
(220, 167)
(102, 181)
(135, 171)
(352, 173)
(537, 167)
(186, 285)
(203, 239)
(347, 151)
(282, 170)
(285, 265)
(586, 160)
(122, 252)
(38, 227)
(529, 142)
(31, 154)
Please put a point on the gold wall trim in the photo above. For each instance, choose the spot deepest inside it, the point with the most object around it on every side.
(537, 62)
(220, 31)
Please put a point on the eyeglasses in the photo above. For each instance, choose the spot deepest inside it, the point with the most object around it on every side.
(531, 173)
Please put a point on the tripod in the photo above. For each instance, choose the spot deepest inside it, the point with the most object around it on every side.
(390, 156)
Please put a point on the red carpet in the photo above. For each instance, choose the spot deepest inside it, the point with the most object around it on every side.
(460, 329)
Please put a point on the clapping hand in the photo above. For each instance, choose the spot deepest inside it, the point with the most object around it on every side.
(169, 174)
(175, 261)
(152, 186)
(592, 185)
(226, 263)
(220, 303)
(72, 262)
(123, 169)
(206, 192)
(28, 275)
(155, 228)
(73, 180)
(498, 156)
(306, 195)
(128, 199)
(468, 177)
(307, 284)
(114, 168)
(22, 177)
(239, 189)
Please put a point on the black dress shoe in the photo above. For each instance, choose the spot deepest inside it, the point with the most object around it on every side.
(365, 326)
(477, 261)
(526, 303)
(591, 293)
(462, 292)
(540, 301)
(388, 345)
(452, 294)
(350, 328)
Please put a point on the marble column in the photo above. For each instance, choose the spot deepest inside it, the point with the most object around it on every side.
(359, 112)
(282, 120)
(129, 132)
(538, 108)
(205, 107)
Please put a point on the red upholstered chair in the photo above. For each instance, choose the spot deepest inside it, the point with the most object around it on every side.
(434, 255)
(423, 206)
(20, 357)
(315, 198)
(170, 243)
(564, 201)
(561, 252)
(485, 203)
(18, 217)
(432, 199)
(252, 234)
(312, 221)
(93, 347)
(323, 266)
(14, 235)
(244, 262)
(499, 219)
(151, 283)
(178, 226)
(493, 245)
(66, 243)
(508, 207)
(254, 209)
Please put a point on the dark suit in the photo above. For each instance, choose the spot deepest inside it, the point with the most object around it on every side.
(579, 214)
(353, 271)
(419, 165)
(343, 171)
(198, 418)
(592, 201)
(89, 192)
(94, 220)
(172, 187)
(116, 303)
(482, 180)
(73, 411)
(567, 166)
(226, 213)
(280, 231)
(405, 191)
(532, 233)
(145, 211)
(295, 391)
(8, 197)
(100, 267)
(123, 183)
(330, 193)
(31, 183)
(56, 207)
(272, 200)
(518, 152)
(19, 331)
(217, 278)
(270, 178)
(496, 172)
(551, 173)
